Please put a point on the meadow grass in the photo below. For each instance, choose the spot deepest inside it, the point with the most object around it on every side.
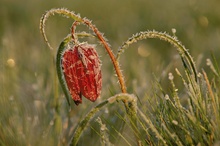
(176, 105)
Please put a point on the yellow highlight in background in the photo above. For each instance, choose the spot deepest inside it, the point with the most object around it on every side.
(11, 62)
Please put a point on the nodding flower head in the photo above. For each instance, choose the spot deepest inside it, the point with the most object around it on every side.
(82, 71)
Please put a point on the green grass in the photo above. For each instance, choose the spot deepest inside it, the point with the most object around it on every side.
(170, 111)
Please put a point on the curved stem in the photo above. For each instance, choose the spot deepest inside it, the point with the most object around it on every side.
(163, 36)
(63, 12)
(60, 75)
(82, 125)
(73, 28)
(67, 13)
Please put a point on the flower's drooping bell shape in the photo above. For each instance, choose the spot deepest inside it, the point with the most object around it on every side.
(82, 71)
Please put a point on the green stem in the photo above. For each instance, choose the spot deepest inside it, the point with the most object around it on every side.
(82, 125)
(189, 64)
(60, 75)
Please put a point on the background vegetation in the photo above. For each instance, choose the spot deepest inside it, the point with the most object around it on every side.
(28, 82)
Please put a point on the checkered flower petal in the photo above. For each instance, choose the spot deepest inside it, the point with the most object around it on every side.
(82, 71)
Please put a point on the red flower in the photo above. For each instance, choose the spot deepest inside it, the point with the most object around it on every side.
(82, 71)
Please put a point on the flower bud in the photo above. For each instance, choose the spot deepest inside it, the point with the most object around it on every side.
(82, 71)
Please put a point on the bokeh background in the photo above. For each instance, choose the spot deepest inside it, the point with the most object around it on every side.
(33, 110)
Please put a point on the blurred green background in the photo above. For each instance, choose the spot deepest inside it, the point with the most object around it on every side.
(28, 82)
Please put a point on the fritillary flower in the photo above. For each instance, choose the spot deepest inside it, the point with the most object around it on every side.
(82, 71)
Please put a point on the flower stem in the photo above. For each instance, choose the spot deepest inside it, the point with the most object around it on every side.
(111, 55)
(82, 125)
(69, 14)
